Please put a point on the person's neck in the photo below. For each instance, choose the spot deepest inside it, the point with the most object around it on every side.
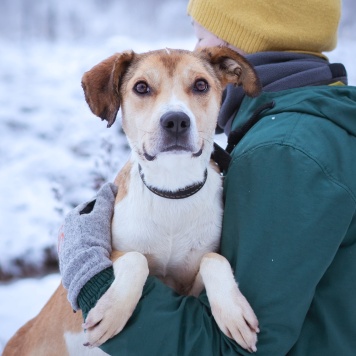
(281, 71)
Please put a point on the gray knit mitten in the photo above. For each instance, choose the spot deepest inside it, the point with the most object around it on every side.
(84, 241)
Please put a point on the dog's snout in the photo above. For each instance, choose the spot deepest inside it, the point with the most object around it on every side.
(175, 122)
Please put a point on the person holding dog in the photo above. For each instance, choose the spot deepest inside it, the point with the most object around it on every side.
(289, 229)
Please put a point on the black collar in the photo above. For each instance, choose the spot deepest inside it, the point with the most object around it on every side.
(177, 194)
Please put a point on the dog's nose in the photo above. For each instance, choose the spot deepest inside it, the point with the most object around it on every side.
(175, 122)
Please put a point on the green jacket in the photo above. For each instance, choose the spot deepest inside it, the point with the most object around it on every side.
(289, 233)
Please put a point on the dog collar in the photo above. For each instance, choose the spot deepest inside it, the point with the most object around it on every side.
(177, 194)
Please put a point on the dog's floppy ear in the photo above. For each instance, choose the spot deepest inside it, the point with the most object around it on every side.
(232, 67)
(101, 85)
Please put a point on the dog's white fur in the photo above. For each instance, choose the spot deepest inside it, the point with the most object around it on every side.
(175, 240)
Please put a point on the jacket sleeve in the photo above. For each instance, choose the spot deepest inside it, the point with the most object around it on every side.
(163, 323)
(280, 232)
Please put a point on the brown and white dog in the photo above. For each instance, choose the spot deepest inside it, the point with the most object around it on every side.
(168, 210)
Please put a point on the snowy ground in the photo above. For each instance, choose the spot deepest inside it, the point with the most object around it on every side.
(21, 301)
(54, 154)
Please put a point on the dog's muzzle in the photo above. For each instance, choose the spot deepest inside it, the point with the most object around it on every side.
(175, 132)
(175, 136)
(175, 123)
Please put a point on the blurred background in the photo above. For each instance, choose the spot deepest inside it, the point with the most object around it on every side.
(54, 154)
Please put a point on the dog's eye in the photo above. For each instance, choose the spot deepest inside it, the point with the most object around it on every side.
(200, 86)
(141, 88)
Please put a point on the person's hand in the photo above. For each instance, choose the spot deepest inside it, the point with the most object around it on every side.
(84, 241)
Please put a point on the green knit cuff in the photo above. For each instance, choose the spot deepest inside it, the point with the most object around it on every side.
(94, 289)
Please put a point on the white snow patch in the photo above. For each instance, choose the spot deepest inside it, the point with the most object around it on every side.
(21, 301)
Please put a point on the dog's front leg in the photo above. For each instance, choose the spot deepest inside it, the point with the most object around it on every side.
(115, 307)
(230, 309)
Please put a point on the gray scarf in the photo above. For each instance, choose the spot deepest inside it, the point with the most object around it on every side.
(280, 71)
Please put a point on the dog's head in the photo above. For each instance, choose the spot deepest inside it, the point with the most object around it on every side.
(170, 99)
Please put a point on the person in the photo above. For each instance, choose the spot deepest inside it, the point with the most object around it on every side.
(289, 228)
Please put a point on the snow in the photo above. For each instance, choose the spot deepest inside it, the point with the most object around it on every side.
(54, 154)
(21, 301)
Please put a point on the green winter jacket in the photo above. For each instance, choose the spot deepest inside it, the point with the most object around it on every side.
(289, 232)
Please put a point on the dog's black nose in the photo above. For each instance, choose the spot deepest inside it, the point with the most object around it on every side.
(175, 122)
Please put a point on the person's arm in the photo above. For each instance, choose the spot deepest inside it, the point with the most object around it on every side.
(84, 243)
(165, 323)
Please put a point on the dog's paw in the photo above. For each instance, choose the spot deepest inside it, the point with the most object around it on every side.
(107, 318)
(115, 307)
(236, 319)
(230, 309)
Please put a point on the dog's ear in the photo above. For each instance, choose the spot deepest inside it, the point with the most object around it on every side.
(101, 85)
(232, 67)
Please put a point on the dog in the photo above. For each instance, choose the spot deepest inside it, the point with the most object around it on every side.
(170, 100)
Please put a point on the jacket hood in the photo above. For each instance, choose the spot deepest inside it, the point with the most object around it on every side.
(334, 103)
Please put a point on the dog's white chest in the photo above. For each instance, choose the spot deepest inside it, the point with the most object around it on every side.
(172, 234)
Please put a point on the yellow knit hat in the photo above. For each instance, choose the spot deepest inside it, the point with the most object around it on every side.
(271, 25)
